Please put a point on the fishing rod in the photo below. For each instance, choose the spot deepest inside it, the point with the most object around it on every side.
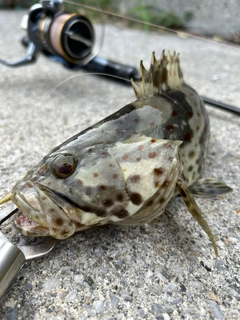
(71, 40)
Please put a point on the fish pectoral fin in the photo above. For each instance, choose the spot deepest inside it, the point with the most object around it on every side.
(195, 211)
(208, 187)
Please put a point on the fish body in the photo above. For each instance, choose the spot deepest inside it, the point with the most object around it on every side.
(124, 169)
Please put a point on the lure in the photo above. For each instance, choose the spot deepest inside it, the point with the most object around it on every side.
(124, 169)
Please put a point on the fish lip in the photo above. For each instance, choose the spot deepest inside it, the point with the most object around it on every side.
(35, 202)
(24, 221)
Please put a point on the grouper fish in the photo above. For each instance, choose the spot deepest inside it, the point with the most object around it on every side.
(124, 169)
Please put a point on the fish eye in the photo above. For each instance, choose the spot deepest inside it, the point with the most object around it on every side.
(64, 165)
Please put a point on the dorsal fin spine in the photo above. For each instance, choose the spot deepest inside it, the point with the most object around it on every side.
(164, 74)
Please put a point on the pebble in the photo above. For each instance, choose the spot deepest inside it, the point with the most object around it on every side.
(126, 295)
(156, 308)
(183, 288)
(51, 283)
(216, 310)
(11, 314)
(220, 265)
(79, 279)
(176, 300)
(114, 300)
(99, 306)
(72, 295)
(90, 311)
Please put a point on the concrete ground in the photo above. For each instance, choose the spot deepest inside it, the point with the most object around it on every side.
(162, 270)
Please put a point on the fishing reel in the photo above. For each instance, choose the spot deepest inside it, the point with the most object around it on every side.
(69, 39)
(57, 33)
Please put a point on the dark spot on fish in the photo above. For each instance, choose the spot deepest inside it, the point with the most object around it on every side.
(198, 114)
(187, 136)
(110, 165)
(125, 158)
(86, 209)
(44, 198)
(140, 147)
(135, 178)
(158, 171)
(100, 212)
(132, 107)
(153, 140)
(190, 168)
(182, 192)
(107, 202)
(169, 127)
(166, 145)
(104, 154)
(90, 150)
(165, 184)
(157, 184)
(59, 222)
(161, 200)
(164, 75)
(152, 124)
(95, 174)
(138, 159)
(152, 155)
(79, 183)
(119, 197)
(149, 203)
(136, 120)
(78, 224)
(174, 113)
(94, 163)
(123, 213)
(198, 128)
(102, 188)
(65, 233)
(115, 176)
(136, 198)
(88, 191)
(189, 114)
(191, 154)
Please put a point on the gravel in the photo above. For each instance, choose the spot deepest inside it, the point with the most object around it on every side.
(162, 270)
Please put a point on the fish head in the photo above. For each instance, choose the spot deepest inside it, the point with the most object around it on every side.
(70, 191)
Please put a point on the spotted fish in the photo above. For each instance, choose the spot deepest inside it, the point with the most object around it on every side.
(124, 169)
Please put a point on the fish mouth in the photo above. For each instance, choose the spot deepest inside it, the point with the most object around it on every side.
(40, 213)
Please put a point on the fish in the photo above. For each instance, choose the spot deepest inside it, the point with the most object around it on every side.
(124, 169)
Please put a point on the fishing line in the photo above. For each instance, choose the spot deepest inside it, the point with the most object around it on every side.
(180, 33)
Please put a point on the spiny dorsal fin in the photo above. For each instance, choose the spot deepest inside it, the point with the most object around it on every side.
(195, 211)
(164, 74)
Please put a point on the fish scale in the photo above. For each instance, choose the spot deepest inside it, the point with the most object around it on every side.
(124, 169)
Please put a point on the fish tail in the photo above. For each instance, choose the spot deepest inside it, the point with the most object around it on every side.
(164, 74)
